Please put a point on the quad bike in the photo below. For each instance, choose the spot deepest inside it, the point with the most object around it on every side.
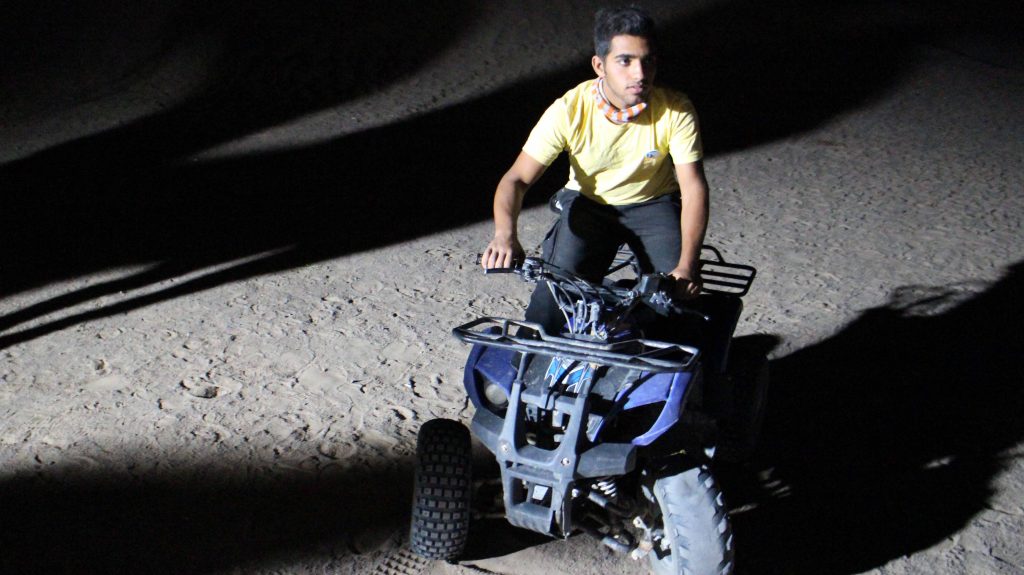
(609, 428)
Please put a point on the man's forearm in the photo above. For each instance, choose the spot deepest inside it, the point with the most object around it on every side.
(504, 249)
(508, 202)
(693, 221)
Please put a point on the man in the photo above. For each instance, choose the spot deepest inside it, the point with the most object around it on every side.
(620, 132)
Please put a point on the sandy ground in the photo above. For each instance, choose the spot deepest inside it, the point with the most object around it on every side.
(233, 251)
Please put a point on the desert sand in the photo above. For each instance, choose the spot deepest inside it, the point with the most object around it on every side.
(235, 240)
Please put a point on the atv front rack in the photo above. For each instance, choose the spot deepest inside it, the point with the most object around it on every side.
(643, 354)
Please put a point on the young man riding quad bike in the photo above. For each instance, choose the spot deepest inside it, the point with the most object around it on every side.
(597, 425)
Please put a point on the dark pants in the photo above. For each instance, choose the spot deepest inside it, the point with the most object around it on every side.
(587, 235)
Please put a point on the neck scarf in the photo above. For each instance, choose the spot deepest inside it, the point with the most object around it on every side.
(611, 112)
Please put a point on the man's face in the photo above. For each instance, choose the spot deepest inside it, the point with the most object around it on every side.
(628, 71)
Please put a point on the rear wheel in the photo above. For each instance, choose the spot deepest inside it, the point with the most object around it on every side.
(697, 533)
(442, 490)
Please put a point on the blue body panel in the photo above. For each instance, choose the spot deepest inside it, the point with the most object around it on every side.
(487, 363)
(668, 387)
(495, 365)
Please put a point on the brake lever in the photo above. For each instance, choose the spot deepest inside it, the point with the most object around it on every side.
(683, 310)
(660, 286)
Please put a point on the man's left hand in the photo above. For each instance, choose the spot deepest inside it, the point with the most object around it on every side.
(687, 284)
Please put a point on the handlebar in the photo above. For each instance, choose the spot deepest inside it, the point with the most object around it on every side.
(655, 290)
(516, 266)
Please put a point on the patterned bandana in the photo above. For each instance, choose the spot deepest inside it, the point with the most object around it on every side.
(611, 112)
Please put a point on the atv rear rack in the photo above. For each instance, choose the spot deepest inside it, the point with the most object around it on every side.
(643, 354)
(716, 274)
(719, 276)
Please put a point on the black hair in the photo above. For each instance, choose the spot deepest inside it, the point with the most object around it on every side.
(629, 21)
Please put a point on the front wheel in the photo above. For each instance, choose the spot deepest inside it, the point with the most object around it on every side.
(442, 490)
(697, 533)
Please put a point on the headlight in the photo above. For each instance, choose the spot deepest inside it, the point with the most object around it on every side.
(495, 395)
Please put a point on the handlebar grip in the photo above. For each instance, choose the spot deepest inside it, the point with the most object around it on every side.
(516, 266)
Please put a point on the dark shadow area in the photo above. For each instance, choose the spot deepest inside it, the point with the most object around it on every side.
(261, 63)
(88, 523)
(761, 71)
(130, 196)
(884, 439)
(496, 537)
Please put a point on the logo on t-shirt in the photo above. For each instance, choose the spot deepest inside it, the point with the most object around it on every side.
(650, 160)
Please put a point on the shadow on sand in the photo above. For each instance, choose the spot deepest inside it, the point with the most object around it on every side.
(194, 521)
(885, 438)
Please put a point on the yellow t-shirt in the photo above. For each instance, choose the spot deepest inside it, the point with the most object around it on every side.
(618, 163)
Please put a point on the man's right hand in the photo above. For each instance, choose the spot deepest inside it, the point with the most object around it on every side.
(504, 250)
(501, 253)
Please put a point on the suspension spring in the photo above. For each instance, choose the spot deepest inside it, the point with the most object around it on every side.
(608, 487)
